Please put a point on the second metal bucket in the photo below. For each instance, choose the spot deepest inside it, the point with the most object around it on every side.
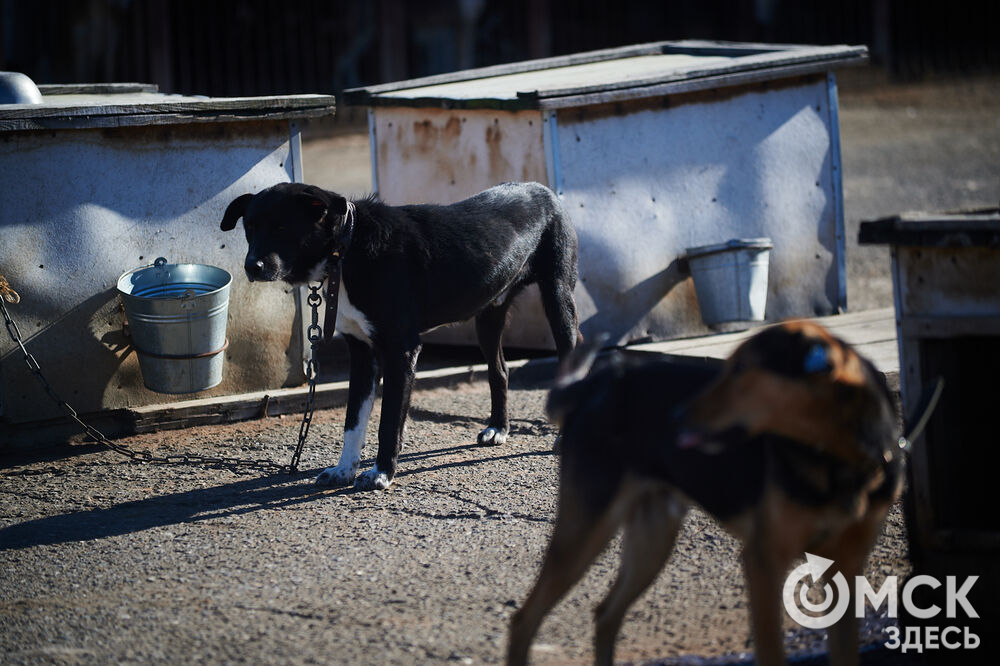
(177, 316)
(730, 279)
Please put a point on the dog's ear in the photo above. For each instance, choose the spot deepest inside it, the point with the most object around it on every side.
(235, 211)
(338, 204)
(323, 202)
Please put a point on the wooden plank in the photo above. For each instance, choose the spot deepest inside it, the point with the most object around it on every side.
(620, 72)
(502, 92)
(367, 95)
(48, 89)
(145, 103)
(529, 102)
(363, 95)
(678, 87)
(775, 63)
(230, 409)
(873, 333)
(874, 329)
(100, 122)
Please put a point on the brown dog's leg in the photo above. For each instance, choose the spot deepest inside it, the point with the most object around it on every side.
(649, 538)
(842, 637)
(764, 586)
(578, 538)
(849, 553)
(781, 527)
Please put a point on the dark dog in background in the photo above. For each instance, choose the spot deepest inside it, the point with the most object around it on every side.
(407, 270)
(792, 446)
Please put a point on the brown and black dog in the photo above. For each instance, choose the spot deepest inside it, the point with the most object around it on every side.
(792, 446)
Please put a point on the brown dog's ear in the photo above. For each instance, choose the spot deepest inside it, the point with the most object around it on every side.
(235, 211)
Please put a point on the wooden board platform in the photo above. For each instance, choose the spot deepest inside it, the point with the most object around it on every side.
(872, 332)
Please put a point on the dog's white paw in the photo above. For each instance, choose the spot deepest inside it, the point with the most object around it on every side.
(491, 437)
(372, 479)
(337, 476)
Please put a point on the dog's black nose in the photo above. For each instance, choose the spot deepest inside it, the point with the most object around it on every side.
(254, 269)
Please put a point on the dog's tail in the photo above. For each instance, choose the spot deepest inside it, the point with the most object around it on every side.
(565, 393)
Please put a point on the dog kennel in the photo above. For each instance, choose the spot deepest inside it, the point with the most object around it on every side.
(102, 179)
(652, 148)
(945, 270)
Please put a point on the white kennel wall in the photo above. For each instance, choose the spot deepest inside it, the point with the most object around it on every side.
(100, 180)
(652, 148)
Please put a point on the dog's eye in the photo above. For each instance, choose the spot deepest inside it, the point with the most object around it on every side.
(817, 359)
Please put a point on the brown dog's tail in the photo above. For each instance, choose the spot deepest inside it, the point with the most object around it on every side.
(572, 371)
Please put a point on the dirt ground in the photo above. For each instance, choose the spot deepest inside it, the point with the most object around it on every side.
(108, 561)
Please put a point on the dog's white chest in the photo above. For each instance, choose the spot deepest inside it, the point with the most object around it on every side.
(351, 320)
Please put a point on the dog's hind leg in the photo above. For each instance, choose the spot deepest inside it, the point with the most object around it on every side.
(555, 270)
(489, 330)
(560, 311)
(650, 533)
(579, 536)
(364, 376)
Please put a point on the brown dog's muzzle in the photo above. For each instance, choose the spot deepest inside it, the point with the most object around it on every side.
(793, 380)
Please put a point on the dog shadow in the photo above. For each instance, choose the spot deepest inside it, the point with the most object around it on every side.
(246, 495)
(193, 506)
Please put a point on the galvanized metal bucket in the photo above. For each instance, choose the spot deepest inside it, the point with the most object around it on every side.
(730, 279)
(177, 316)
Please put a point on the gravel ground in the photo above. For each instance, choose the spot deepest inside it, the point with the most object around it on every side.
(918, 147)
(109, 561)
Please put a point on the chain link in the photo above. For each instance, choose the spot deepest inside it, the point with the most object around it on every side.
(234, 464)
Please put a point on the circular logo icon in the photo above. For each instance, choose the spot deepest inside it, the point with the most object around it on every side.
(810, 573)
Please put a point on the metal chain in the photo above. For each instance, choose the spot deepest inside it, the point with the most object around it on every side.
(234, 464)
(315, 334)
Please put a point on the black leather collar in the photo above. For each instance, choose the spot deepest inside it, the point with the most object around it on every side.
(334, 269)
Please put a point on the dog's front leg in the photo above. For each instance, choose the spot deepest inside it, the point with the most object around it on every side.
(764, 568)
(360, 398)
(398, 367)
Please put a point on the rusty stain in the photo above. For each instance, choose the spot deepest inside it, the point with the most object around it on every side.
(499, 167)
(457, 154)
(452, 129)
(425, 135)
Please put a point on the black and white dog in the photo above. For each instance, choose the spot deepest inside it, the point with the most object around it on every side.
(405, 271)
